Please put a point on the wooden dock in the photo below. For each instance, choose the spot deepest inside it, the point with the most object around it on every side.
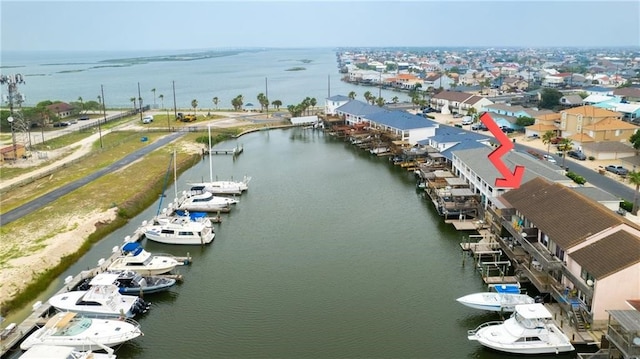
(41, 311)
(231, 151)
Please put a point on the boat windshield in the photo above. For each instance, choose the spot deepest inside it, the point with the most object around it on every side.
(76, 327)
(530, 323)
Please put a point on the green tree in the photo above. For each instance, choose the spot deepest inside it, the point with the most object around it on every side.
(81, 105)
(263, 101)
(277, 104)
(194, 104)
(473, 113)
(395, 99)
(547, 137)
(154, 96)
(133, 100)
(313, 102)
(368, 96)
(550, 98)
(380, 101)
(634, 179)
(161, 97)
(352, 95)
(525, 121)
(564, 146)
(237, 102)
(215, 102)
(635, 141)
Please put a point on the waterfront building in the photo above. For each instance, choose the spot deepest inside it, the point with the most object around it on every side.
(448, 102)
(570, 247)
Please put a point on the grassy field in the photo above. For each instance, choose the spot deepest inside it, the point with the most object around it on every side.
(130, 190)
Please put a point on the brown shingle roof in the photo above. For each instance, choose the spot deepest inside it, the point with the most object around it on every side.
(609, 255)
(453, 96)
(627, 92)
(564, 215)
(591, 111)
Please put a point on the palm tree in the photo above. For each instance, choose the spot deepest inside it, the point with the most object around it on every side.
(367, 96)
(194, 104)
(547, 138)
(380, 101)
(313, 102)
(154, 96)
(215, 102)
(395, 99)
(133, 99)
(161, 97)
(81, 104)
(634, 179)
(352, 95)
(564, 146)
(277, 104)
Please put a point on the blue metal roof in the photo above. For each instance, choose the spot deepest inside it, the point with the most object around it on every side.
(465, 145)
(339, 98)
(598, 89)
(401, 120)
(455, 134)
(359, 108)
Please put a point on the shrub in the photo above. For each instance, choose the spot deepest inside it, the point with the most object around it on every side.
(591, 158)
(576, 178)
(626, 205)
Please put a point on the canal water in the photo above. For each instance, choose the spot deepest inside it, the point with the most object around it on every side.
(332, 253)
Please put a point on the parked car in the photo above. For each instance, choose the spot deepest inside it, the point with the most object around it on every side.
(549, 158)
(479, 127)
(506, 129)
(147, 119)
(457, 115)
(555, 141)
(578, 155)
(83, 118)
(467, 120)
(619, 170)
(61, 124)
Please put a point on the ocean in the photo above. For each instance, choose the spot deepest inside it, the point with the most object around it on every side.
(200, 75)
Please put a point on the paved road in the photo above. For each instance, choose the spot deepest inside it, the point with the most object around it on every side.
(593, 177)
(52, 196)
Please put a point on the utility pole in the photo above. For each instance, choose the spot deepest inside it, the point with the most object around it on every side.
(139, 102)
(14, 97)
(266, 94)
(104, 113)
(175, 109)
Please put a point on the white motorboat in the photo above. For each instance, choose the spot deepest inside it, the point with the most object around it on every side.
(83, 333)
(224, 187)
(495, 301)
(201, 201)
(102, 299)
(176, 229)
(62, 352)
(130, 282)
(529, 330)
(136, 259)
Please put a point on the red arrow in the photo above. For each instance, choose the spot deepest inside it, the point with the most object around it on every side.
(510, 179)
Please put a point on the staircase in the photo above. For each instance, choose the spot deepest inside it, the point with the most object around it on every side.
(579, 323)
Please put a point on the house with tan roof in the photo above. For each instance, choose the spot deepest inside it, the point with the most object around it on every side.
(457, 102)
(570, 247)
(629, 94)
(405, 81)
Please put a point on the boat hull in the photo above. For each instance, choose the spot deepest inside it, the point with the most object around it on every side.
(155, 234)
(495, 302)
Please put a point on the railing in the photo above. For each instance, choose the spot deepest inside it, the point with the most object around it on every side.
(472, 332)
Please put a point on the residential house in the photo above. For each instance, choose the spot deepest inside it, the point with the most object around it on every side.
(507, 115)
(473, 165)
(579, 257)
(572, 121)
(400, 125)
(608, 129)
(405, 81)
(628, 94)
(571, 101)
(61, 109)
(599, 90)
(457, 102)
(600, 100)
(513, 84)
(11, 153)
(608, 150)
(437, 80)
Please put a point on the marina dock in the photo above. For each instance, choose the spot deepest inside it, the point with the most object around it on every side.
(10, 338)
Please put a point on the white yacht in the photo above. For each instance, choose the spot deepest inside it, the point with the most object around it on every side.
(224, 187)
(62, 352)
(178, 229)
(202, 201)
(135, 258)
(102, 300)
(529, 330)
(494, 301)
(71, 330)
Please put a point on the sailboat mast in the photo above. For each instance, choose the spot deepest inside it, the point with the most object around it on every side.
(210, 165)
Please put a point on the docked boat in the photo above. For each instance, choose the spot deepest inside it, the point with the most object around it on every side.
(180, 229)
(130, 282)
(101, 300)
(495, 301)
(513, 288)
(529, 330)
(72, 330)
(62, 352)
(136, 259)
(202, 201)
(224, 187)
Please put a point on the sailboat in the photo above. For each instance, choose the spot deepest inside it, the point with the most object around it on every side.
(221, 187)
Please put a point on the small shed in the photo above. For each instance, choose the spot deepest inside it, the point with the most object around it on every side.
(9, 154)
(304, 120)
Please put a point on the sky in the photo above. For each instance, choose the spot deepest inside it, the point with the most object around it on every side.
(176, 25)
